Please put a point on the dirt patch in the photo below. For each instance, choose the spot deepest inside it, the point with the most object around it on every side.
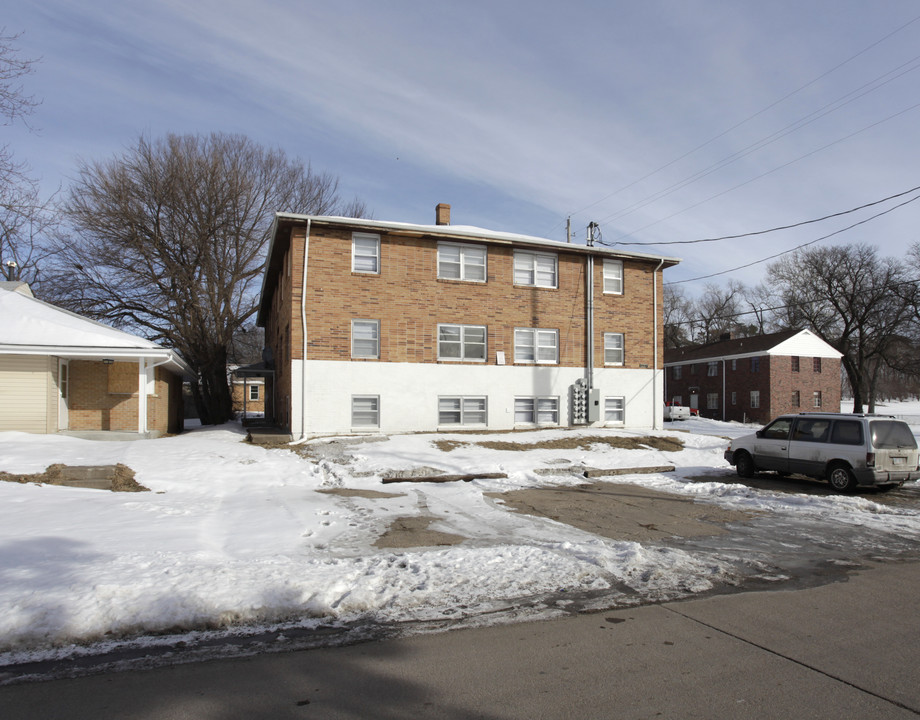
(117, 478)
(412, 531)
(353, 492)
(623, 512)
(667, 444)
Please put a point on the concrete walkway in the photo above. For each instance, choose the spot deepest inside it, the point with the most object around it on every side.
(845, 650)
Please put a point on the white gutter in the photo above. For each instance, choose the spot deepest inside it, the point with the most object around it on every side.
(303, 325)
(656, 406)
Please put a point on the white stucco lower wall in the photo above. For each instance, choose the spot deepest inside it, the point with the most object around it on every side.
(408, 394)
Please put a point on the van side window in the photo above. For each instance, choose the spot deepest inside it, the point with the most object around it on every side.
(811, 430)
(778, 430)
(847, 432)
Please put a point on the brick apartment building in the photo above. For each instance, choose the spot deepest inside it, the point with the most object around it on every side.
(393, 327)
(756, 378)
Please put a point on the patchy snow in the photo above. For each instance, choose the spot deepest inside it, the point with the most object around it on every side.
(235, 536)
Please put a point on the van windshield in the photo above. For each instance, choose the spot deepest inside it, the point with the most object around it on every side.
(891, 434)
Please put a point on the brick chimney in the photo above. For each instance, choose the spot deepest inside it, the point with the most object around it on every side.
(442, 214)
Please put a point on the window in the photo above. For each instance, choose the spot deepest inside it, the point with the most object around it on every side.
(712, 401)
(755, 364)
(795, 364)
(796, 398)
(365, 339)
(778, 429)
(536, 269)
(255, 392)
(677, 400)
(535, 345)
(693, 369)
(461, 411)
(847, 432)
(734, 364)
(712, 369)
(817, 398)
(365, 253)
(613, 277)
(811, 430)
(461, 342)
(536, 410)
(734, 398)
(365, 411)
(613, 349)
(755, 398)
(677, 372)
(614, 409)
(462, 262)
(817, 365)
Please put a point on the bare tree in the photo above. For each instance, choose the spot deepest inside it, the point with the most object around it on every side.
(677, 317)
(849, 297)
(25, 218)
(170, 241)
(718, 311)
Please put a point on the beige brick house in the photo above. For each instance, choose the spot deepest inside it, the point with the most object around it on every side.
(394, 327)
(754, 379)
(60, 371)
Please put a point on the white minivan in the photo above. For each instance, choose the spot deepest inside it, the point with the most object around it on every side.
(847, 450)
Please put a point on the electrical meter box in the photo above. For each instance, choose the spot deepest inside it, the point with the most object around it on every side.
(594, 405)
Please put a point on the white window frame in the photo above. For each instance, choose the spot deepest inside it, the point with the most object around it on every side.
(366, 323)
(610, 409)
(550, 407)
(356, 239)
(755, 398)
(254, 389)
(463, 329)
(610, 347)
(373, 412)
(464, 410)
(678, 372)
(464, 264)
(712, 369)
(534, 342)
(712, 401)
(817, 398)
(527, 270)
(613, 277)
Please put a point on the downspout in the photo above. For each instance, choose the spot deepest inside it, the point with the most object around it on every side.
(656, 405)
(724, 407)
(589, 323)
(303, 325)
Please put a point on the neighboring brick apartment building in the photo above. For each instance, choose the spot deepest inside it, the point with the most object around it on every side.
(397, 327)
(754, 379)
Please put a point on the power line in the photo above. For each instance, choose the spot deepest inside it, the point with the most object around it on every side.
(799, 247)
(775, 229)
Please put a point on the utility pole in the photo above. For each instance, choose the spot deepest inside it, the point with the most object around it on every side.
(568, 229)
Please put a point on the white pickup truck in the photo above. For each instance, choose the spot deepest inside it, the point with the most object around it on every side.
(676, 412)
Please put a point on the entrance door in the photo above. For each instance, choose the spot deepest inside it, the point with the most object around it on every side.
(694, 401)
(63, 394)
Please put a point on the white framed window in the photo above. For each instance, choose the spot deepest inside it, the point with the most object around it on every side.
(462, 342)
(817, 398)
(459, 410)
(365, 253)
(614, 352)
(735, 364)
(533, 345)
(365, 411)
(613, 277)
(712, 369)
(462, 262)
(615, 409)
(255, 392)
(712, 401)
(365, 339)
(536, 410)
(535, 269)
(677, 372)
(755, 398)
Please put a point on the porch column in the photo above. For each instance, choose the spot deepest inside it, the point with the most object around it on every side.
(142, 396)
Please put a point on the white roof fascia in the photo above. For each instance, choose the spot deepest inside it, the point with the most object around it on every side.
(170, 358)
(820, 347)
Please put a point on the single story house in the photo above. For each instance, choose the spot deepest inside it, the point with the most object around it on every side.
(60, 371)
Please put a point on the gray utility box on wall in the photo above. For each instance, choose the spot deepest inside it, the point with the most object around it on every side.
(594, 405)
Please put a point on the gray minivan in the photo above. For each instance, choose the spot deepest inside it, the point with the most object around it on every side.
(847, 450)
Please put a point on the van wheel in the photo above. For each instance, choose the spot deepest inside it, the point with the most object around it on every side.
(744, 464)
(841, 479)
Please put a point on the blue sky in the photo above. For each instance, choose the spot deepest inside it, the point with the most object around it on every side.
(517, 113)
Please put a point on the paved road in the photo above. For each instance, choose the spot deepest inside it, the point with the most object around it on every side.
(848, 649)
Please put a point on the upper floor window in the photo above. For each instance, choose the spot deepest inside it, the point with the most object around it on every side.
(712, 369)
(365, 339)
(462, 262)
(755, 364)
(536, 269)
(613, 277)
(461, 342)
(817, 365)
(677, 372)
(734, 364)
(535, 345)
(795, 363)
(365, 253)
(614, 351)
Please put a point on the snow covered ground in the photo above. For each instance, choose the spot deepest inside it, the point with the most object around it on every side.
(233, 538)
